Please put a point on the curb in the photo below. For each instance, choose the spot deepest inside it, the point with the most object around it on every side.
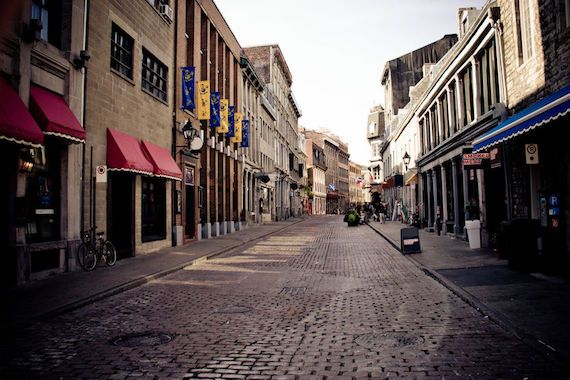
(135, 283)
(493, 315)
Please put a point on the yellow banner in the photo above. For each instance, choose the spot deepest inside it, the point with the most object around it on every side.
(204, 100)
(238, 117)
(223, 128)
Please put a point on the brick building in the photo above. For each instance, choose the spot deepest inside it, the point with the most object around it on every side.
(211, 194)
(42, 55)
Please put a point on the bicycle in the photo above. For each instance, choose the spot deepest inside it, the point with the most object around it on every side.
(93, 249)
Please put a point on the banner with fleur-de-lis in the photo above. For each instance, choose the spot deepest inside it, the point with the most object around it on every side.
(238, 117)
(188, 75)
(203, 100)
(215, 109)
(230, 133)
(244, 134)
(224, 105)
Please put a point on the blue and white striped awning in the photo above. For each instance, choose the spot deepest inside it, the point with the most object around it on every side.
(544, 111)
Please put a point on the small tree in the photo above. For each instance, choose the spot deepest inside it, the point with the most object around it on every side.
(472, 209)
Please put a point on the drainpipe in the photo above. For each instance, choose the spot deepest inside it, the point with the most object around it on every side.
(173, 199)
(84, 87)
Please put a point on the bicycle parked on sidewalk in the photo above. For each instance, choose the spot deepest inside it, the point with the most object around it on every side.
(95, 248)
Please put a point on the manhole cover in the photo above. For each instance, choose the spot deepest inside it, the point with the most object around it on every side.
(234, 310)
(386, 340)
(294, 291)
(142, 339)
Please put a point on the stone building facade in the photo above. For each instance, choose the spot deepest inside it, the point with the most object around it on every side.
(337, 172)
(531, 142)
(270, 64)
(252, 88)
(316, 168)
(42, 59)
(128, 118)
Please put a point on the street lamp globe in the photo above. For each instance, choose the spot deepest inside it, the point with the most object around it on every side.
(406, 160)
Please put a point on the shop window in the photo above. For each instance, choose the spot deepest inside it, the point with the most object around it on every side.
(121, 52)
(154, 76)
(38, 194)
(49, 12)
(153, 209)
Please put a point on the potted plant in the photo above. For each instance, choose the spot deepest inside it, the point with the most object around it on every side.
(473, 224)
(352, 218)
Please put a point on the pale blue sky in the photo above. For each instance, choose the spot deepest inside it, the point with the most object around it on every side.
(336, 50)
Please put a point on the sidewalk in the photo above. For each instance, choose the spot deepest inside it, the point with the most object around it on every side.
(67, 291)
(534, 307)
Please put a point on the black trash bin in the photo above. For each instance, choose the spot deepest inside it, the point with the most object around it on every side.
(518, 240)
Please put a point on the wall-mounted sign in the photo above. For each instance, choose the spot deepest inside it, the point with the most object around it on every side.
(474, 159)
(189, 176)
(531, 153)
(101, 173)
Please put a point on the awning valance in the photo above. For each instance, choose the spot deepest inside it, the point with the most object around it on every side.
(163, 163)
(54, 115)
(411, 177)
(544, 111)
(124, 153)
(16, 123)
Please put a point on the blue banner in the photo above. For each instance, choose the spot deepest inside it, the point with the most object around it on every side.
(231, 111)
(214, 109)
(188, 76)
(244, 134)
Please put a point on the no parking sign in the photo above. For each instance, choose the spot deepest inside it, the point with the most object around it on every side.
(101, 173)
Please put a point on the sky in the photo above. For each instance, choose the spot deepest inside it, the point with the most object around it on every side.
(336, 51)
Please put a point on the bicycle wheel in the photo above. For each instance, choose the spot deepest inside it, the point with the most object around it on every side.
(109, 253)
(86, 257)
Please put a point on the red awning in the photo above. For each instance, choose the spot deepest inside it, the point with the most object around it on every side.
(124, 153)
(54, 115)
(16, 123)
(164, 164)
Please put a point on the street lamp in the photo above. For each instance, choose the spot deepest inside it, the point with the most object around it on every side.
(406, 159)
(192, 136)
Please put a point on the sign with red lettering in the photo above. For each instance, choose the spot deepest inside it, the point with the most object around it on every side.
(475, 159)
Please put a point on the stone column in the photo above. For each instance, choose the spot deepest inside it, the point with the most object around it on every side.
(444, 215)
(456, 205)
(435, 197)
(429, 187)
(465, 195)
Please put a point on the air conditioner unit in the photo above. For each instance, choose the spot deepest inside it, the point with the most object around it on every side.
(166, 11)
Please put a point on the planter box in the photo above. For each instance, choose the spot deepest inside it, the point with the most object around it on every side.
(473, 228)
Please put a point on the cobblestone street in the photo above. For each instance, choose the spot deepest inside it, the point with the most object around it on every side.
(315, 300)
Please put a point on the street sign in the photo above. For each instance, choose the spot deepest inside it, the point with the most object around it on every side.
(101, 173)
(531, 153)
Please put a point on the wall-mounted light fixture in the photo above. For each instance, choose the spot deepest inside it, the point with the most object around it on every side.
(406, 160)
(192, 136)
(80, 61)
